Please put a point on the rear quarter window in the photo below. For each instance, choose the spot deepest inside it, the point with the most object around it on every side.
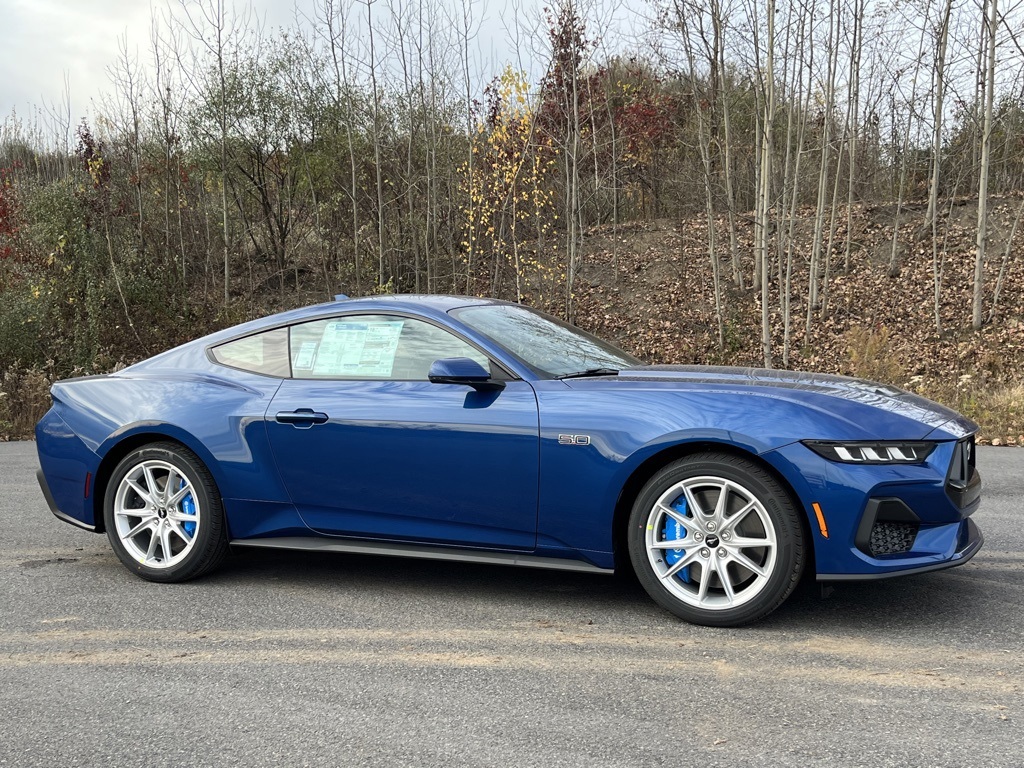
(265, 353)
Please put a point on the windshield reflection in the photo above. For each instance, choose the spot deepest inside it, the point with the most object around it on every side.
(548, 346)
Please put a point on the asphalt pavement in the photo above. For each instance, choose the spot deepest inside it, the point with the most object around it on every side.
(292, 659)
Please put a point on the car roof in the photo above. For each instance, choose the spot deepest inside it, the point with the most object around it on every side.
(440, 302)
(418, 303)
(423, 304)
(437, 302)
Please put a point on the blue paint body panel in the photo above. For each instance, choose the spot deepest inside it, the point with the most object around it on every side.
(449, 465)
(394, 459)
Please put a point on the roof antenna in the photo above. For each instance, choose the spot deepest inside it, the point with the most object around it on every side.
(341, 297)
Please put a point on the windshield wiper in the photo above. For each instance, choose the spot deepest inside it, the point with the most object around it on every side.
(589, 372)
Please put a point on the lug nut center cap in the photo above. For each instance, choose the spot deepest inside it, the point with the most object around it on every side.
(711, 541)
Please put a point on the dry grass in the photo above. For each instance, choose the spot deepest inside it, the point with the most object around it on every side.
(24, 399)
(870, 355)
(1000, 412)
(997, 407)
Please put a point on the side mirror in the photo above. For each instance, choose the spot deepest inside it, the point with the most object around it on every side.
(462, 370)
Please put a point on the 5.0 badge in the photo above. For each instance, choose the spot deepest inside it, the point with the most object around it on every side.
(574, 439)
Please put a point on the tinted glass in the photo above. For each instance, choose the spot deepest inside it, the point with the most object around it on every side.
(265, 353)
(373, 347)
(547, 345)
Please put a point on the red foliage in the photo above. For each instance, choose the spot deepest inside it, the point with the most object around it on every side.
(562, 87)
(647, 117)
(630, 97)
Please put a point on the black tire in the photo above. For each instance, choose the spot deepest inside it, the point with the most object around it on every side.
(189, 556)
(751, 594)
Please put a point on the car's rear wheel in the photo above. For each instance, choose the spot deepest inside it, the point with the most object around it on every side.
(163, 514)
(716, 540)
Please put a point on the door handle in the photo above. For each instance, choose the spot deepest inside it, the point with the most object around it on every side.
(303, 418)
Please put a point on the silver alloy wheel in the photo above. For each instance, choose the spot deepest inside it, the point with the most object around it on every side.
(156, 514)
(711, 543)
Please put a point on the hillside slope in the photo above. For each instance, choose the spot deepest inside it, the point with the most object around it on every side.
(659, 303)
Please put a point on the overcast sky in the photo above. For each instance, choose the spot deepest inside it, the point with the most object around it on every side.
(42, 42)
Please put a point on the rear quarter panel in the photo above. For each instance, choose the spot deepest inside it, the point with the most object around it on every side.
(219, 418)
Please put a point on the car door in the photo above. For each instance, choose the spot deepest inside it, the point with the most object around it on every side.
(367, 446)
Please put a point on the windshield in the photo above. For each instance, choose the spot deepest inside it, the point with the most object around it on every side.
(548, 346)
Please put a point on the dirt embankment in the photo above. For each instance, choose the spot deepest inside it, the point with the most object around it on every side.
(651, 288)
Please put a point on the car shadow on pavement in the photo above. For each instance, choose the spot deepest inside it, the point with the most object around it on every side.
(950, 601)
(947, 601)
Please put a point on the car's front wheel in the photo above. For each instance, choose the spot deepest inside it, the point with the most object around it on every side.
(716, 540)
(163, 514)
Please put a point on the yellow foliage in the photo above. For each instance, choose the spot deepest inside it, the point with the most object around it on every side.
(510, 199)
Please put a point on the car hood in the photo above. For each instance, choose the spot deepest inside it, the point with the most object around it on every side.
(810, 389)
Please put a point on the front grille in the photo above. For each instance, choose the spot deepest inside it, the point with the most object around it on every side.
(888, 538)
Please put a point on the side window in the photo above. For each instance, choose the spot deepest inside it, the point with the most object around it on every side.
(422, 343)
(373, 347)
(265, 353)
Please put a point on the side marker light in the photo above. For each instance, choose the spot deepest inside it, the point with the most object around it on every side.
(821, 519)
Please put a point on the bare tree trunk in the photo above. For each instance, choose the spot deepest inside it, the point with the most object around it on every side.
(718, 27)
(126, 76)
(162, 93)
(410, 180)
(343, 97)
(615, 192)
(467, 20)
(704, 139)
(905, 153)
(823, 166)
(831, 233)
(430, 148)
(986, 150)
(764, 200)
(852, 116)
(799, 106)
(759, 222)
(937, 110)
(933, 187)
(378, 171)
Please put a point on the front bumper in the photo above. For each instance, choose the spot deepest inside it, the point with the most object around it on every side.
(970, 536)
(886, 520)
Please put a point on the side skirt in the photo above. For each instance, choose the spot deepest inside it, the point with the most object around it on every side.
(312, 544)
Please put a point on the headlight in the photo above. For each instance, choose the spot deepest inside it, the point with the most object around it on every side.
(873, 452)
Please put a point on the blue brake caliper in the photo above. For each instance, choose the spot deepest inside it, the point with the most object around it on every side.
(188, 506)
(674, 530)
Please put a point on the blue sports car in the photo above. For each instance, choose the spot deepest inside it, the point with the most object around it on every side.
(470, 429)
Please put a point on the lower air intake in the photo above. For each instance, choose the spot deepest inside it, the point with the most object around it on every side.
(891, 538)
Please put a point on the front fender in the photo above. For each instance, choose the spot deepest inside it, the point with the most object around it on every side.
(581, 479)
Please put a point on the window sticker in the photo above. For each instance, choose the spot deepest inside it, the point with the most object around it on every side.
(304, 359)
(358, 349)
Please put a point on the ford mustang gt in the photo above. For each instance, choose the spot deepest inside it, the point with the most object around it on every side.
(470, 429)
